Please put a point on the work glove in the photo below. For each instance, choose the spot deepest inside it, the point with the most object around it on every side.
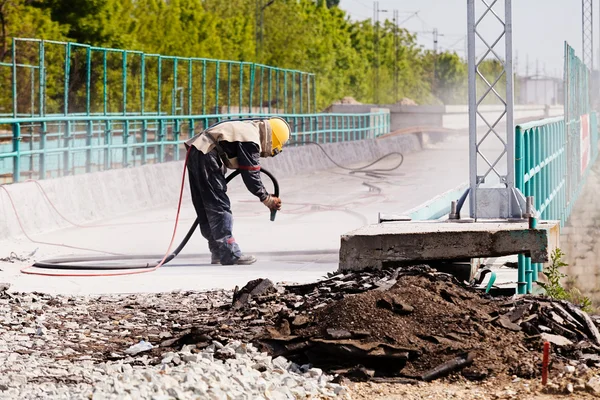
(273, 203)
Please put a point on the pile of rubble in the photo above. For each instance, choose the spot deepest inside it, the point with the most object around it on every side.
(403, 325)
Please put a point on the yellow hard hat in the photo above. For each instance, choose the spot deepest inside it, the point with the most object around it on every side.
(280, 134)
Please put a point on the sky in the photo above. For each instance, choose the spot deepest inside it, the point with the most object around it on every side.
(540, 27)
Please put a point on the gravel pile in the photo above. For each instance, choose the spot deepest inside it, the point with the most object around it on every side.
(232, 371)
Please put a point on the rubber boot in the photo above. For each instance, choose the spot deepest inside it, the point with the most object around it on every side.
(243, 260)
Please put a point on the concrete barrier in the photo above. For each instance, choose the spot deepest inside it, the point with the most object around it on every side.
(451, 117)
(100, 195)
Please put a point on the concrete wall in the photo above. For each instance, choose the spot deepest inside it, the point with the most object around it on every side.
(90, 197)
(580, 238)
(450, 117)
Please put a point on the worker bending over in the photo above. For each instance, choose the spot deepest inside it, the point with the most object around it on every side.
(235, 144)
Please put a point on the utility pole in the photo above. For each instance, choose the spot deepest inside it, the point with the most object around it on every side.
(259, 27)
(376, 12)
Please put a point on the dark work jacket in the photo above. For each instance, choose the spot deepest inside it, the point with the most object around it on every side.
(247, 154)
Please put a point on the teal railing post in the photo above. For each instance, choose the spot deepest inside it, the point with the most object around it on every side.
(42, 78)
(161, 139)
(176, 134)
(107, 141)
(519, 183)
(14, 78)
(159, 89)
(229, 67)
(125, 143)
(43, 134)
(142, 83)
(88, 143)
(174, 89)
(190, 87)
(301, 92)
(203, 87)
(144, 142)
(124, 77)
(270, 83)
(88, 79)
(251, 90)
(217, 80)
(104, 83)
(17, 150)
(67, 145)
(67, 76)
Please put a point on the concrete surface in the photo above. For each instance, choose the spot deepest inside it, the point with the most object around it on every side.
(300, 246)
(421, 241)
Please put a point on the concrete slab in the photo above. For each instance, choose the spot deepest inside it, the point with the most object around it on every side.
(374, 245)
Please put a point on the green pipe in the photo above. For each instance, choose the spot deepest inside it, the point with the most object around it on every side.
(529, 274)
(491, 282)
(241, 89)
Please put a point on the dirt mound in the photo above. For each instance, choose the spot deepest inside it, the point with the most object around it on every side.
(435, 320)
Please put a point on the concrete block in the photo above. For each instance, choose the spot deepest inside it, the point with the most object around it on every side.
(422, 241)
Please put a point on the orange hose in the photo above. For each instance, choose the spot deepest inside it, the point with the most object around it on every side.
(28, 270)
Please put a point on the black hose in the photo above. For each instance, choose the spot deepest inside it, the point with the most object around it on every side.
(69, 262)
(461, 201)
(362, 169)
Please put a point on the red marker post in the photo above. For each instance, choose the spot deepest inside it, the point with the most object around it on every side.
(545, 362)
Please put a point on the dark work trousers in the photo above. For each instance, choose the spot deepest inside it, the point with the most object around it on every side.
(209, 195)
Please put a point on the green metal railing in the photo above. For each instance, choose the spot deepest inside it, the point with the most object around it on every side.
(45, 78)
(554, 156)
(53, 146)
(542, 168)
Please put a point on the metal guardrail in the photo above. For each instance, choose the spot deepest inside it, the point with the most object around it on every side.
(544, 171)
(47, 77)
(554, 156)
(53, 146)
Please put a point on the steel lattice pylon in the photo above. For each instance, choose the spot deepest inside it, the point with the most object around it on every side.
(587, 33)
(492, 173)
